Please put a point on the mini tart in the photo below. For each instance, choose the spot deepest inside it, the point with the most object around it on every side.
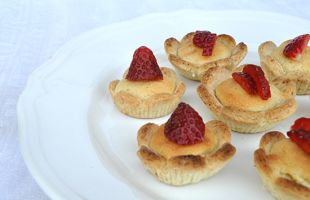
(280, 68)
(242, 112)
(184, 164)
(283, 167)
(189, 61)
(147, 99)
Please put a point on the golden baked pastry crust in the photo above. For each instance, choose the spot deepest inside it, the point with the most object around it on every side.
(279, 68)
(283, 167)
(242, 120)
(230, 55)
(186, 169)
(154, 106)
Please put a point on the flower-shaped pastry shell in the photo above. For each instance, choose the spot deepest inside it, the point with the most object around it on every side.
(279, 68)
(240, 119)
(283, 167)
(187, 168)
(188, 59)
(153, 106)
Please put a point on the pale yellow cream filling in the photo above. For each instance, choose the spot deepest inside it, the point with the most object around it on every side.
(292, 160)
(230, 93)
(160, 144)
(302, 64)
(145, 89)
(189, 52)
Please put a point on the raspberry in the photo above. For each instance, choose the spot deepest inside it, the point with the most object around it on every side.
(144, 66)
(300, 133)
(245, 81)
(205, 40)
(295, 47)
(262, 85)
(185, 126)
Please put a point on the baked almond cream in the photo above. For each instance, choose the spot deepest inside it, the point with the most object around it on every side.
(289, 161)
(230, 93)
(284, 165)
(289, 65)
(189, 52)
(149, 88)
(160, 144)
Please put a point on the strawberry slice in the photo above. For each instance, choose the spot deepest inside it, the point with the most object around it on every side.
(302, 123)
(245, 81)
(205, 40)
(300, 133)
(144, 66)
(200, 37)
(296, 47)
(185, 126)
(262, 85)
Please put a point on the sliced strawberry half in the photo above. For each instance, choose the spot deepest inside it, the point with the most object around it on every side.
(185, 126)
(262, 85)
(300, 133)
(205, 40)
(302, 123)
(296, 46)
(200, 37)
(144, 66)
(245, 81)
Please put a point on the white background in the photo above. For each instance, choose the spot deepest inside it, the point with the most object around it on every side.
(32, 30)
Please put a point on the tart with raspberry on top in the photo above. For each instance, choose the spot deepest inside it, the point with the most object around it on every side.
(245, 100)
(284, 163)
(198, 51)
(185, 150)
(288, 62)
(146, 91)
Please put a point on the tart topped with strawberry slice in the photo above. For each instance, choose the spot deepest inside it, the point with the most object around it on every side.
(185, 150)
(289, 61)
(284, 163)
(198, 51)
(245, 100)
(146, 91)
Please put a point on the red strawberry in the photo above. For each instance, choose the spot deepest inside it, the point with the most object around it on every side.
(301, 138)
(200, 37)
(262, 85)
(245, 81)
(185, 126)
(144, 66)
(302, 123)
(295, 47)
(205, 40)
(300, 133)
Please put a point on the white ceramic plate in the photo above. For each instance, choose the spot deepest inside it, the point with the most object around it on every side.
(78, 146)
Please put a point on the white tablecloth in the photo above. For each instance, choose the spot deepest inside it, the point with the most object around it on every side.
(32, 30)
